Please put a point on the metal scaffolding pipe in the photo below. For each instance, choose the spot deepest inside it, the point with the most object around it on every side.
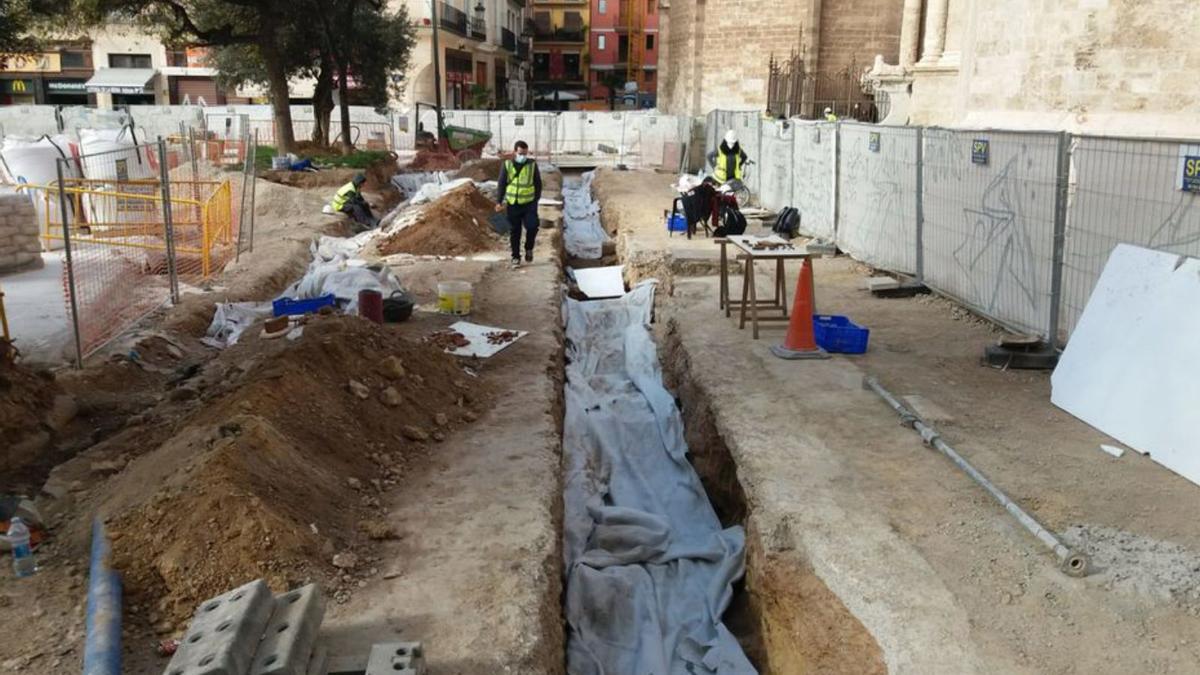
(1070, 562)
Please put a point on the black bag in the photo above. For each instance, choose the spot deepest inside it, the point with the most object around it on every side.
(732, 222)
(787, 223)
(397, 308)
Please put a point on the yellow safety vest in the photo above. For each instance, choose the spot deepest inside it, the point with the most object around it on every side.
(719, 170)
(519, 189)
(343, 195)
(831, 117)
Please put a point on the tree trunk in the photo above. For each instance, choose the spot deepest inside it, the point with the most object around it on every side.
(323, 102)
(277, 81)
(344, 105)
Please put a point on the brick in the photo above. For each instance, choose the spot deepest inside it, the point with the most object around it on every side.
(287, 645)
(396, 658)
(224, 633)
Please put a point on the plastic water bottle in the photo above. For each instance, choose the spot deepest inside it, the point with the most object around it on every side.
(22, 553)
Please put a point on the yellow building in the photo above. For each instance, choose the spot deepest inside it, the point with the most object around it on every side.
(560, 52)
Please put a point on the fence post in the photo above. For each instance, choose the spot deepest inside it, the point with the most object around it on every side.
(1062, 179)
(837, 170)
(253, 187)
(168, 229)
(247, 167)
(62, 209)
(920, 262)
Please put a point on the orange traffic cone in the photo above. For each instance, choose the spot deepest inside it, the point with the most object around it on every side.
(799, 343)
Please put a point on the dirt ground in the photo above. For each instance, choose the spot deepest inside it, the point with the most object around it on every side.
(848, 510)
(455, 224)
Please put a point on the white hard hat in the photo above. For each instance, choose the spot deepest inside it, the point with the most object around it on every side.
(730, 137)
(828, 110)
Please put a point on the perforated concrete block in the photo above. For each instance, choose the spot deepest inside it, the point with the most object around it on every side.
(319, 663)
(224, 633)
(396, 658)
(291, 634)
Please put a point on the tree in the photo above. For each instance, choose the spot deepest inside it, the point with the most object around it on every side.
(21, 21)
(259, 24)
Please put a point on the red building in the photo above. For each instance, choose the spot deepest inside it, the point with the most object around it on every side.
(623, 45)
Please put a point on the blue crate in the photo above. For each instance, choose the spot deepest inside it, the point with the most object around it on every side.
(290, 307)
(838, 334)
(676, 223)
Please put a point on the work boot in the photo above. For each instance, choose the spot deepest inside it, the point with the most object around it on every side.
(528, 255)
(516, 262)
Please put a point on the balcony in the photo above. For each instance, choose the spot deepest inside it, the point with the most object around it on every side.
(508, 39)
(478, 29)
(456, 21)
(560, 35)
(523, 50)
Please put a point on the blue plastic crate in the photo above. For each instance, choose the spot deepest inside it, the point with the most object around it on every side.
(290, 307)
(840, 335)
(676, 223)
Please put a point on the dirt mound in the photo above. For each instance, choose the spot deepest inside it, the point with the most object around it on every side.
(481, 169)
(26, 398)
(455, 224)
(274, 475)
(335, 177)
(272, 200)
(429, 160)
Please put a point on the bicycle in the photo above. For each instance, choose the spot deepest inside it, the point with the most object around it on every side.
(739, 188)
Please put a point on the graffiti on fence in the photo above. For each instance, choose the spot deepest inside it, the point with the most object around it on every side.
(813, 180)
(877, 212)
(997, 230)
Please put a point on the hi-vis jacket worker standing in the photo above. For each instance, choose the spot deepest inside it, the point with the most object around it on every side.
(728, 159)
(520, 189)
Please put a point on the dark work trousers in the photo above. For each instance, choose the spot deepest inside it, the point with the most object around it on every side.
(360, 211)
(518, 215)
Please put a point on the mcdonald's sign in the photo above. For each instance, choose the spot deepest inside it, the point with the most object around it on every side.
(18, 86)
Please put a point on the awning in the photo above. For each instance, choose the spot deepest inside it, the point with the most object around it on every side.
(121, 80)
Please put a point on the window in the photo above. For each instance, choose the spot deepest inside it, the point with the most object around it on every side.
(650, 4)
(73, 59)
(177, 58)
(600, 42)
(129, 61)
(649, 42)
(604, 6)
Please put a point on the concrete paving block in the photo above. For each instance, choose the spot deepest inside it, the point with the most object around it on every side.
(874, 284)
(224, 633)
(396, 658)
(319, 663)
(287, 644)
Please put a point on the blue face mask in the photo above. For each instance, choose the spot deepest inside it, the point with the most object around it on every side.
(519, 159)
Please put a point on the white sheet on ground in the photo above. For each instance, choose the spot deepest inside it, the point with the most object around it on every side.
(600, 282)
(649, 568)
(583, 235)
(1132, 367)
(477, 334)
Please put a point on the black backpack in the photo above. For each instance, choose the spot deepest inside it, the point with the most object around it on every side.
(732, 222)
(787, 223)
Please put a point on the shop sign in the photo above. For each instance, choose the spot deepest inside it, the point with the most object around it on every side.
(31, 63)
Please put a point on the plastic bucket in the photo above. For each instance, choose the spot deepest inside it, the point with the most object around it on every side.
(370, 305)
(454, 297)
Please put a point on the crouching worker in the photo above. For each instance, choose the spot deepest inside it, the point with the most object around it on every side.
(349, 200)
(520, 189)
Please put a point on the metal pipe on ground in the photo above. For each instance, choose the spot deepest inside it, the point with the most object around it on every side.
(1072, 563)
(102, 649)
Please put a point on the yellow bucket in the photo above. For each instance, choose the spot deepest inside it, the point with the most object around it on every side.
(454, 297)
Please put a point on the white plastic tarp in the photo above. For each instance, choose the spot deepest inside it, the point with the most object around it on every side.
(649, 568)
(600, 282)
(1132, 367)
(583, 235)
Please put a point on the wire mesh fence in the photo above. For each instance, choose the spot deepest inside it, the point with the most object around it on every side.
(1017, 226)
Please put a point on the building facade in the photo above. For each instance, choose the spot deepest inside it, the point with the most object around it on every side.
(484, 54)
(57, 76)
(624, 42)
(1108, 66)
(718, 51)
(560, 53)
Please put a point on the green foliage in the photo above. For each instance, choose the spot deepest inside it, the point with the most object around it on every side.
(359, 159)
(480, 95)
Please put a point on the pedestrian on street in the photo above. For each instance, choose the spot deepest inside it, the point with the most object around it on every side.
(520, 189)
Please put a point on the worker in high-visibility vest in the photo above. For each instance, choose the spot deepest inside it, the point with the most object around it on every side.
(829, 116)
(728, 159)
(520, 190)
(349, 200)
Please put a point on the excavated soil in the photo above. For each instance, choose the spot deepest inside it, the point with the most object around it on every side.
(455, 224)
(26, 399)
(428, 160)
(481, 169)
(277, 470)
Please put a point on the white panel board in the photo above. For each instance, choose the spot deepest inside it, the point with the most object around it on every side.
(601, 282)
(1132, 368)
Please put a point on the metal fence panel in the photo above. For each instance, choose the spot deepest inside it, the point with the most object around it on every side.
(989, 204)
(812, 177)
(1124, 191)
(774, 165)
(877, 195)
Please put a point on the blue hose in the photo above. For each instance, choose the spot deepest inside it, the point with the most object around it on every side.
(102, 651)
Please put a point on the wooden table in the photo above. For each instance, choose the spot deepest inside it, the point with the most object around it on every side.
(750, 304)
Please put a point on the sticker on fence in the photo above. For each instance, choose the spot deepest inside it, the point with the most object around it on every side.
(1188, 178)
(981, 151)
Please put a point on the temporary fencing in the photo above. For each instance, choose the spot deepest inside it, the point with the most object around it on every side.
(135, 220)
(1015, 225)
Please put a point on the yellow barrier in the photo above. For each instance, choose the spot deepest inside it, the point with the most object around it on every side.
(130, 214)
